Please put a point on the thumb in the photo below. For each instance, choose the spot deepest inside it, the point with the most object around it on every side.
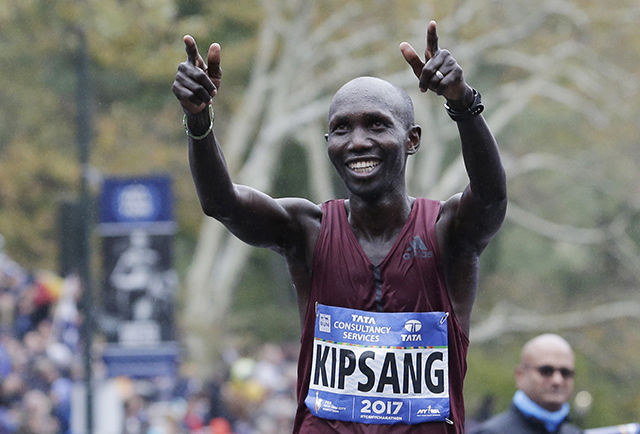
(213, 64)
(412, 58)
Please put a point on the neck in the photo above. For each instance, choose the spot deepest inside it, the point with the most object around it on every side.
(378, 218)
(551, 419)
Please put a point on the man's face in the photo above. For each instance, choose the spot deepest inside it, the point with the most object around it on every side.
(546, 374)
(367, 139)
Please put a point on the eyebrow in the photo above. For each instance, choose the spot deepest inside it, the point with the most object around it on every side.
(368, 116)
(337, 119)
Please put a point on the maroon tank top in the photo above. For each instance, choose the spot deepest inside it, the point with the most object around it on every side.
(409, 279)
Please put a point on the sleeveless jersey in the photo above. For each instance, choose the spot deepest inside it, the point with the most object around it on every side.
(409, 279)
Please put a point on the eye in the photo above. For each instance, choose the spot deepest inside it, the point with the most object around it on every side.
(378, 125)
(340, 129)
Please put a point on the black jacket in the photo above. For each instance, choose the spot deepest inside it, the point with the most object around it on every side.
(513, 421)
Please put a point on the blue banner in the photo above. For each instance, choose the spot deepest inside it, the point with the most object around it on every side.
(142, 362)
(139, 282)
(136, 200)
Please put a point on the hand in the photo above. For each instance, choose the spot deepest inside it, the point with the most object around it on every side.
(439, 72)
(196, 84)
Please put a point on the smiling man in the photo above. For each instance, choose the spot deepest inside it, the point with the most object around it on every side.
(385, 281)
(544, 379)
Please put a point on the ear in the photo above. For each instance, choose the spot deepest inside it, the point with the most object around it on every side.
(413, 139)
(518, 375)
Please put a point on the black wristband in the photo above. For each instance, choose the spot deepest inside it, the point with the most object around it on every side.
(472, 111)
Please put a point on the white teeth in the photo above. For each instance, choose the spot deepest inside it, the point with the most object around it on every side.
(363, 166)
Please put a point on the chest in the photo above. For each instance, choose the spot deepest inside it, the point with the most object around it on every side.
(376, 250)
(405, 277)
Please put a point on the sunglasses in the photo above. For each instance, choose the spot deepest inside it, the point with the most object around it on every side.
(548, 371)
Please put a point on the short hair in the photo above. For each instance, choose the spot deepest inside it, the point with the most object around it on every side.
(402, 108)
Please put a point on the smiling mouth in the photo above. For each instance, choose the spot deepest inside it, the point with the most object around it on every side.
(363, 166)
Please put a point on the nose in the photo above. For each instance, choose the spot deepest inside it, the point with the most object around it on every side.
(557, 377)
(359, 139)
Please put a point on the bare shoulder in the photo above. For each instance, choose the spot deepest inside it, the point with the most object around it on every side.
(450, 206)
(466, 224)
(446, 219)
(306, 219)
(301, 210)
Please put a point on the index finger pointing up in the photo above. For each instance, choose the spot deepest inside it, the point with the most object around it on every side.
(191, 48)
(432, 41)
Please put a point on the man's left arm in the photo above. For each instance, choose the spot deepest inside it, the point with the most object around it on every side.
(478, 213)
(482, 206)
(469, 220)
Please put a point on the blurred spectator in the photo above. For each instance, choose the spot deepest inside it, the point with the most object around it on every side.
(544, 379)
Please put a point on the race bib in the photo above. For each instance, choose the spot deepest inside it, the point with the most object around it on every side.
(378, 367)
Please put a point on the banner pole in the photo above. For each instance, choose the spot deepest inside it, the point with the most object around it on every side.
(84, 134)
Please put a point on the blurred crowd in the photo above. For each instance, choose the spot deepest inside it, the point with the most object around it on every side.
(252, 395)
(36, 351)
(41, 371)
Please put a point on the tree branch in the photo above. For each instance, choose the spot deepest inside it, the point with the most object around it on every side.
(505, 319)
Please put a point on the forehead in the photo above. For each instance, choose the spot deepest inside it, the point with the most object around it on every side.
(550, 353)
(366, 95)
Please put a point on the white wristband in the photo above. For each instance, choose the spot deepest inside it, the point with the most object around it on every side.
(206, 133)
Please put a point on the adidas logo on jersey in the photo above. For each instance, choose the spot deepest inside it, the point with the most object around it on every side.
(417, 249)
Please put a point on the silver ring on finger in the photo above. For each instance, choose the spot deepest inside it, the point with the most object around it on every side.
(439, 74)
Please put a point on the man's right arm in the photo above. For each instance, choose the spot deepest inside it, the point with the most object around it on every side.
(251, 215)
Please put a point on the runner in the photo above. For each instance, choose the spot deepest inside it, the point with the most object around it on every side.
(385, 281)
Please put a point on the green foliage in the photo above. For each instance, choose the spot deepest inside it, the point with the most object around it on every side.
(134, 48)
(265, 312)
(490, 377)
(292, 179)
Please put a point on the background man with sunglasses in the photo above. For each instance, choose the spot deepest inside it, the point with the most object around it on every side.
(545, 382)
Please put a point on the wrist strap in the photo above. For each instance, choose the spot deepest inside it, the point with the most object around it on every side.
(206, 133)
(474, 110)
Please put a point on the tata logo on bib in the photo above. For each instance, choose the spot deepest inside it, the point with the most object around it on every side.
(413, 326)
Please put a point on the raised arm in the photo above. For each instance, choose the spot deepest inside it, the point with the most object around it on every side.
(252, 216)
(467, 221)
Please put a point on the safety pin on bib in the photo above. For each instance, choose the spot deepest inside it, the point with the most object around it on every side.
(444, 318)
